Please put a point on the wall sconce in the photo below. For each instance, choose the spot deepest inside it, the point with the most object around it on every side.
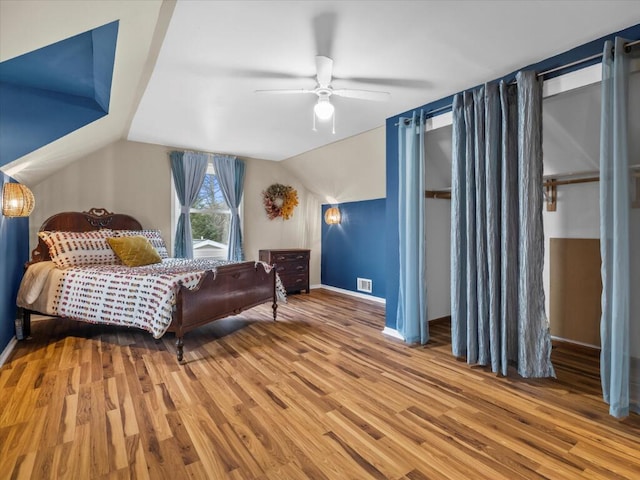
(17, 200)
(332, 216)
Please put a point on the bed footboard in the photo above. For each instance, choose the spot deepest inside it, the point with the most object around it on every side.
(232, 289)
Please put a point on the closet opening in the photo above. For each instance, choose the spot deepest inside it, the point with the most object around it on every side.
(571, 150)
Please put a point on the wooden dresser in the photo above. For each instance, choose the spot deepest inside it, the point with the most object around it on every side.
(292, 265)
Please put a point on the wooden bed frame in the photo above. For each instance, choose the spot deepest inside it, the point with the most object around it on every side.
(234, 287)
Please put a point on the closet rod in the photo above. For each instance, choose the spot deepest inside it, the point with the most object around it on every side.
(552, 183)
(446, 194)
(627, 47)
(566, 178)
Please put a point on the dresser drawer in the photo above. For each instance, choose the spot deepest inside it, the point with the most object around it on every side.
(290, 257)
(295, 282)
(292, 267)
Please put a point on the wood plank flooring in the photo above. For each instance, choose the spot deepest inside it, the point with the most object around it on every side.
(319, 394)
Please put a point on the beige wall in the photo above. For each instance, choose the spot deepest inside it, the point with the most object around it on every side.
(350, 170)
(123, 177)
(300, 231)
(135, 178)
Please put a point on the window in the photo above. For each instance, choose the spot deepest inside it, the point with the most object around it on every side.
(210, 218)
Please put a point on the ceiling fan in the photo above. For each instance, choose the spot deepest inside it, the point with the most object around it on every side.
(324, 109)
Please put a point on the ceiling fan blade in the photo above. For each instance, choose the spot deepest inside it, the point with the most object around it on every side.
(298, 90)
(324, 68)
(361, 94)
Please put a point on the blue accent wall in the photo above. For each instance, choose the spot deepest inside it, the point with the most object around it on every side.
(50, 92)
(392, 255)
(14, 252)
(355, 247)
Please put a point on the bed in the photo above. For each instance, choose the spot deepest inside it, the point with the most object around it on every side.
(195, 293)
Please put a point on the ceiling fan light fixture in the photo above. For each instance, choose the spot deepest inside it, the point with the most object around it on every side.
(323, 109)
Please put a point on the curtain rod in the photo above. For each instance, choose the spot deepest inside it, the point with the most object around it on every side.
(627, 48)
(193, 151)
(203, 153)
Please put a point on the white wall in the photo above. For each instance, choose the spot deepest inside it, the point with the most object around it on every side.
(438, 223)
(571, 135)
(571, 142)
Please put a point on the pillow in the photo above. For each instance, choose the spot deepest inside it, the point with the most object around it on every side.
(134, 251)
(153, 236)
(79, 249)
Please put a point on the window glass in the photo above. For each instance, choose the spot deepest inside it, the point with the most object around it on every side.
(210, 219)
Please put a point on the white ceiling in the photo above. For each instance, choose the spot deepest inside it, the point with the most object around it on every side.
(217, 53)
(199, 93)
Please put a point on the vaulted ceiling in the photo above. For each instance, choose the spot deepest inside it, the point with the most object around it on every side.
(185, 73)
(32, 25)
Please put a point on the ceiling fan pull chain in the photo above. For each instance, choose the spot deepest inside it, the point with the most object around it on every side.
(334, 123)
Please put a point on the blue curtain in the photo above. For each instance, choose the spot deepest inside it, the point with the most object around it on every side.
(411, 321)
(619, 358)
(189, 170)
(497, 241)
(230, 173)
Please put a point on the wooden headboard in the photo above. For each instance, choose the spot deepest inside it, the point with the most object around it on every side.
(94, 219)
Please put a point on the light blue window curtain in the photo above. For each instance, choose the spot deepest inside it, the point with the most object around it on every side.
(620, 321)
(411, 320)
(189, 170)
(497, 240)
(230, 173)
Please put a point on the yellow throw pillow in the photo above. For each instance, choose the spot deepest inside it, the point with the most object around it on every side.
(134, 251)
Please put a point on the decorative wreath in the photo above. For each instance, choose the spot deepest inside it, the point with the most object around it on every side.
(279, 201)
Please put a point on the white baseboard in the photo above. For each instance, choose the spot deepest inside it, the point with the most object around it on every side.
(392, 332)
(364, 296)
(8, 349)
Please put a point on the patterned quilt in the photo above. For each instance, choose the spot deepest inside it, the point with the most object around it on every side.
(141, 297)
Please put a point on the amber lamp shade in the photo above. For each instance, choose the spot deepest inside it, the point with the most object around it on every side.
(17, 200)
(332, 216)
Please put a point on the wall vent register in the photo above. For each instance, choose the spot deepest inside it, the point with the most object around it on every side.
(365, 285)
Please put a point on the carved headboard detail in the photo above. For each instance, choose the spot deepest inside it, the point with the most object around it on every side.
(94, 219)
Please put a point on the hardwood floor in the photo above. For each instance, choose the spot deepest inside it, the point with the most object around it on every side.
(319, 394)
